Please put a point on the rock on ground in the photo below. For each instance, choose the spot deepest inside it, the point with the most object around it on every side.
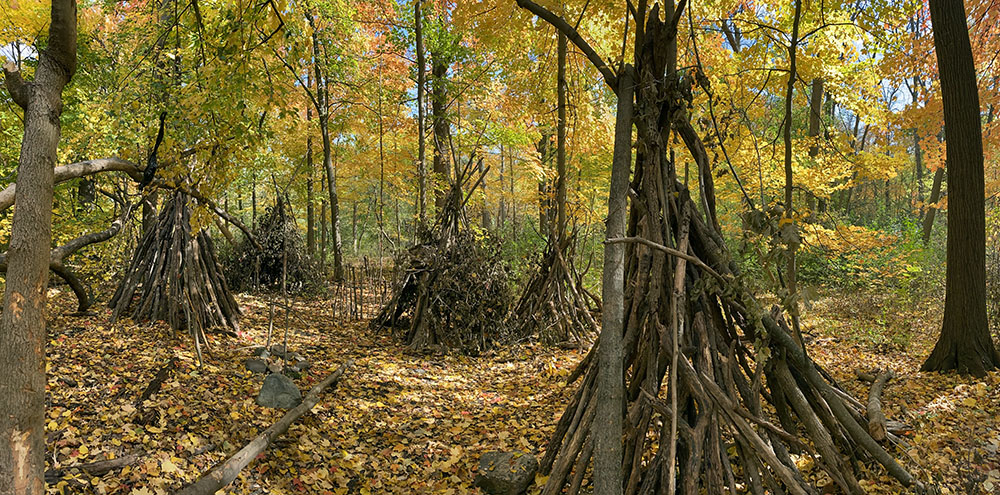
(279, 391)
(506, 473)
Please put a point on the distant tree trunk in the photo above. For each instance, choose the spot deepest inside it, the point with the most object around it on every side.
(560, 228)
(792, 238)
(928, 226)
(310, 215)
(546, 214)
(502, 206)
(965, 344)
(486, 220)
(918, 165)
(421, 117)
(323, 114)
(608, 476)
(22, 324)
(815, 121)
(439, 103)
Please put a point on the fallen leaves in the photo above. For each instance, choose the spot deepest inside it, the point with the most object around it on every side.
(398, 422)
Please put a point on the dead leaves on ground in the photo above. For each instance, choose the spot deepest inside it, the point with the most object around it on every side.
(397, 423)
(956, 419)
(404, 423)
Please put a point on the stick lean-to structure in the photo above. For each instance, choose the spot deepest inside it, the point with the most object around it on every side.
(174, 276)
(719, 394)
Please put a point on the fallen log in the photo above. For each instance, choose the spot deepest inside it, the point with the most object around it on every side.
(876, 418)
(222, 474)
(96, 468)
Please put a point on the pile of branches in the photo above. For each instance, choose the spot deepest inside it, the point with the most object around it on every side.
(555, 306)
(281, 255)
(740, 395)
(454, 288)
(174, 276)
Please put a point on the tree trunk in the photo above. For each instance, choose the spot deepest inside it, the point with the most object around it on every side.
(791, 237)
(815, 121)
(310, 214)
(610, 381)
(421, 117)
(965, 343)
(22, 325)
(323, 114)
(439, 103)
(560, 228)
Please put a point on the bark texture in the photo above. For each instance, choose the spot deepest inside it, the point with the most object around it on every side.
(610, 379)
(965, 344)
(22, 325)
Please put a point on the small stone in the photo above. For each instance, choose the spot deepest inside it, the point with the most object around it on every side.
(506, 473)
(256, 365)
(278, 351)
(303, 365)
(261, 352)
(279, 391)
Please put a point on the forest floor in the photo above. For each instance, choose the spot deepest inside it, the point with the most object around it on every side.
(413, 423)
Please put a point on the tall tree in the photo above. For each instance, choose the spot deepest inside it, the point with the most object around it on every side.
(439, 106)
(322, 104)
(608, 477)
(22, 325)
(310, 214)
(421, 117)
(965, 343)
(560, 227)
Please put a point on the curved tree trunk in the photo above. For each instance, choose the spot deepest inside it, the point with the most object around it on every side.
(965, 343)
(22, 325)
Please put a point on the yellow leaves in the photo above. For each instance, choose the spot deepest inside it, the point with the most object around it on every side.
(167, 466)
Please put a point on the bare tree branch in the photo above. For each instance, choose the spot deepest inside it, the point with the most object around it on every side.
(574, 36)
(15, 84)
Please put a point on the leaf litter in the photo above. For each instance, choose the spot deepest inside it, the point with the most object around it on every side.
(400, 422)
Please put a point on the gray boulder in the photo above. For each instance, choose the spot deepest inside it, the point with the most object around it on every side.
(279, 391)
(506, 473)
(278, 351)
(256, 365)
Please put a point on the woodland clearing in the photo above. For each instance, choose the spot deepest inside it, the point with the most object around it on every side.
(405, 422)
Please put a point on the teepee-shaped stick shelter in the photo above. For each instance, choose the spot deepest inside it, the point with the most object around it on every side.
(175, 277)
(719, 395)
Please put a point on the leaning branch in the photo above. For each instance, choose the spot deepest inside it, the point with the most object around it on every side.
(573, 35)
(64, 173)
(114, 164)
(59, 254)
(224, 473)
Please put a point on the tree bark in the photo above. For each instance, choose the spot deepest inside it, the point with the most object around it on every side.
(815, 121)
(928, 226)
(439, 103)
(791, 237)
(310, 214)
(22, 325)
(560, 227)
(323, 115)
(608, 478)
(421, 117)
(965, 344)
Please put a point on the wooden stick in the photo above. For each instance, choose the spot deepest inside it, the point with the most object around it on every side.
(96, 468)
(225, 472)
(876, 419)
